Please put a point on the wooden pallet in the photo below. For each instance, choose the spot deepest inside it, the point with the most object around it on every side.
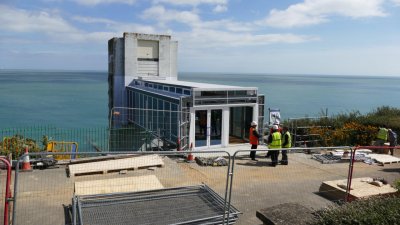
(384, 159)
(115, 165)
(118, 185)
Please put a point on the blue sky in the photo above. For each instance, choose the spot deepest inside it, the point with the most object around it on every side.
(339, 37)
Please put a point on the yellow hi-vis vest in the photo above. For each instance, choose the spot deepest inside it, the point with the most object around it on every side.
(289, 144)
(382, 134)
(276, 140)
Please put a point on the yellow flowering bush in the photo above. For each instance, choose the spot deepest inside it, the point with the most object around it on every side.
(351, 133)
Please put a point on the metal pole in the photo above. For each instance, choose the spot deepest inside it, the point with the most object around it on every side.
(16, 190)
(8, 193)
(228, 174)
(350, 174)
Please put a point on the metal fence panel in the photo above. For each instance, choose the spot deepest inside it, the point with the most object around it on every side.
(49, 196)
(305, 180)
(45, 196)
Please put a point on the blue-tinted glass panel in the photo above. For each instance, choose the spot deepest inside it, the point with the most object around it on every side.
(155, 122)
(174, 119)
(167, 119)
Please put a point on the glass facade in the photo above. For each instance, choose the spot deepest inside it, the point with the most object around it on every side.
(222, 97)
(164, 109)
(155, 113)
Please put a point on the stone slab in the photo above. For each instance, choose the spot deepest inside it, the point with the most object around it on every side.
(360, 188)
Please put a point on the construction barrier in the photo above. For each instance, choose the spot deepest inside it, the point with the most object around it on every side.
(62, 147)
(240, 188)
(7, 191)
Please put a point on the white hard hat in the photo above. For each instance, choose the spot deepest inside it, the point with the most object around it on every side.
(254, 123)
(275, 127)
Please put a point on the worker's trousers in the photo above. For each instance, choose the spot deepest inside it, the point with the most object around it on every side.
(274, 157)
(284, 157)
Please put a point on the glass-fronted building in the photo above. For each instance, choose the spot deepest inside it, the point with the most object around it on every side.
(143, 76)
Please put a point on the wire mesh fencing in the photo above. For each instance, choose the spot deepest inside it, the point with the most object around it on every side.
(166, 187)
(3, 180)
(306, 181)
(101, 139)
(120, 187)
(51, 138)
(154, 128)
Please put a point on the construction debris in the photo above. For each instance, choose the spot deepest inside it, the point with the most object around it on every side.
(361, 155)
(361, 188)
(213, 161)
(327, 158)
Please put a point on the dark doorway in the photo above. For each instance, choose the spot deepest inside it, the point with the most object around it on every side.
(239, 124)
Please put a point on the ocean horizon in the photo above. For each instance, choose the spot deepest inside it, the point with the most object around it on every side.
(79, 99)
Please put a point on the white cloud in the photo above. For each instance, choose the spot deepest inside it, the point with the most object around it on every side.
(311, 12)
(164, 16)
(396, 2)
(192, 19)
(220, 5)
(85, 19)
(217, 33)
(114, 25)
(203, 38)
(97, 2)
(193, 2)
(220, 8)
(19, 20)
(52, 25)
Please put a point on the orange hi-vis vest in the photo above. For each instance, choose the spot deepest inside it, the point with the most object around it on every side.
(253, 139)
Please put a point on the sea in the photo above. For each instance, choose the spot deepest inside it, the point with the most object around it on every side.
(79, 99)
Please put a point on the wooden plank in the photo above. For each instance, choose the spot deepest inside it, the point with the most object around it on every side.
(100, 158)
(125, 184)
(115, 165)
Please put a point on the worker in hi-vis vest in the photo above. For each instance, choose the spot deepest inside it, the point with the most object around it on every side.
(275, 142)
(253, 138)
(381, 138)
(287, 143)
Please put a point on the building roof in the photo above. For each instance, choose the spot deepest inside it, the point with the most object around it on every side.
(198, 85)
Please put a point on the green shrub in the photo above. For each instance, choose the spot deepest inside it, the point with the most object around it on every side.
(352, 128)
(377, 211)
(397, 184)
(16, 145)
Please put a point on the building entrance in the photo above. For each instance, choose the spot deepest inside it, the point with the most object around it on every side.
(239, 124)
(208, 127)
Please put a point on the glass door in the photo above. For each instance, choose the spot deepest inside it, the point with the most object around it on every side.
(201, 128)
(208, 127)
(216, 125)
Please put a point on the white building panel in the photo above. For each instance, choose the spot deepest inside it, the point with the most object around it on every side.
(147, 68)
